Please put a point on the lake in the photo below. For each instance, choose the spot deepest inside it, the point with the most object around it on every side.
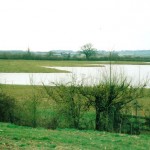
(85, 75)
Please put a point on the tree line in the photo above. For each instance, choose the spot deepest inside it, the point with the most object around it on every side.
(87, 52)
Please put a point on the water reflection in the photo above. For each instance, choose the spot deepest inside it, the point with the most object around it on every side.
(84, 75)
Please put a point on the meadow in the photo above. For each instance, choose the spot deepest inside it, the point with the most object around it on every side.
(19, 137)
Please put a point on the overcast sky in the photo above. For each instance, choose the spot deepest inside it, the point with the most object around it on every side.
(45, 25)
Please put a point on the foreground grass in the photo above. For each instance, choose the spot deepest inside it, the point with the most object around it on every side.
(17, 137)
(36, 66)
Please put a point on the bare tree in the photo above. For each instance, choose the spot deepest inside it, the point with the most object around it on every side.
(88, 50)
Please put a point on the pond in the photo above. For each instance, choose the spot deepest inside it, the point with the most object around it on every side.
(85, 75)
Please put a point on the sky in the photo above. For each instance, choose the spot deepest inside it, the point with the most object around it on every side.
(44, 25)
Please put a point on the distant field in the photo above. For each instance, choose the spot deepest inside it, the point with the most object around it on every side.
(26, 66)
(36, 66)
(18, 137)
(23, 90)
(20, 92)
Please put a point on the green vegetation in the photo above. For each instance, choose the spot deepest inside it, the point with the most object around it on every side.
(18, 137)
(7, 105)
(34, 108)
(23, 92)
(26, 66)
(88, 50)
(114, 105)
(87, 53)
(19, 92)
(104, 107)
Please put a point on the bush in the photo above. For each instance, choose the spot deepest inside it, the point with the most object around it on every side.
(71, 104)
(7, 107)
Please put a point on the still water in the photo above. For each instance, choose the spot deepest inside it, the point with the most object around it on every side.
(85, 75)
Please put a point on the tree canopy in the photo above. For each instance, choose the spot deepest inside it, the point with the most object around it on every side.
(88, 50)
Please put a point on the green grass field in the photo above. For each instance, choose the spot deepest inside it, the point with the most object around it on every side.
(36, 66)
(20, 92)
(17, 137)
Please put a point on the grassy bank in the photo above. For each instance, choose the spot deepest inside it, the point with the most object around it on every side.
(18, 137)
(36, 66)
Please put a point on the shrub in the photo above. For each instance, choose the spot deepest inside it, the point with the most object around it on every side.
(7, 107)
(71, 104)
